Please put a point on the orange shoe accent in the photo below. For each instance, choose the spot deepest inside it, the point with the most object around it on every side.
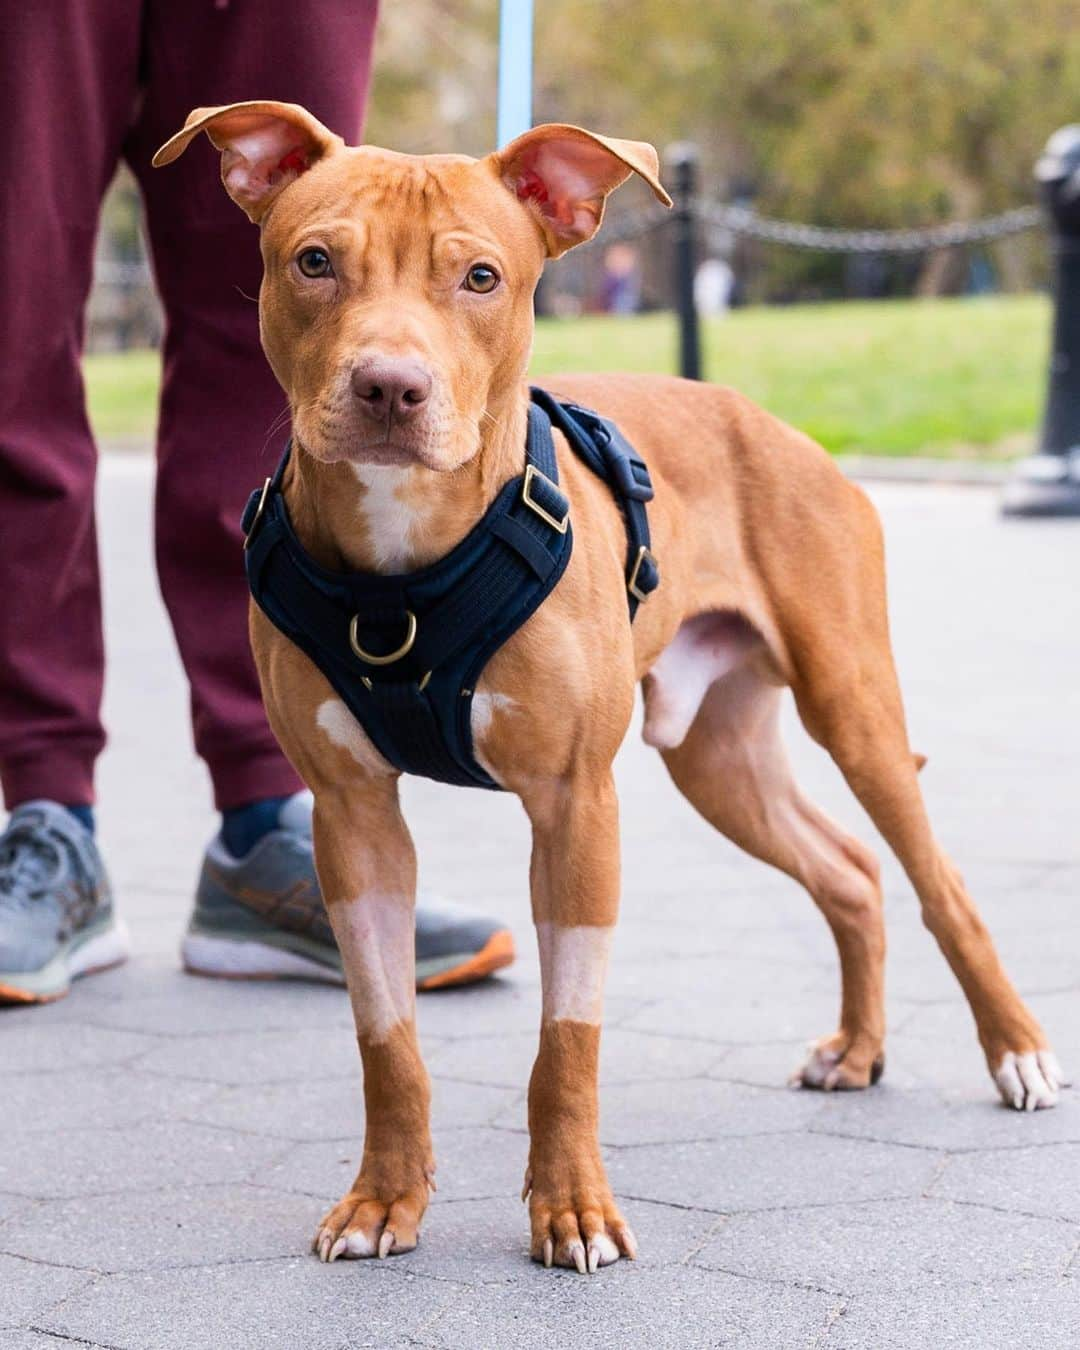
(495, 954)
(9, 993)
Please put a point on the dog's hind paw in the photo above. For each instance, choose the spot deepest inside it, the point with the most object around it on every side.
(839, 1063)
(1030, 1081)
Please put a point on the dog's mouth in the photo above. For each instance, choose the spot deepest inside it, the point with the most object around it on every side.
(389, 451)
(441, 443)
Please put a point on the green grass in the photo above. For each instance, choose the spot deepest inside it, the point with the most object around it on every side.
(122, 391)
(958, 378)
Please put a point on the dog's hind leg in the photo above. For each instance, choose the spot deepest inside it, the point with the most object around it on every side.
(575, 890)
(857, 715)
(732, 766)
(367, 871)
(848, 696)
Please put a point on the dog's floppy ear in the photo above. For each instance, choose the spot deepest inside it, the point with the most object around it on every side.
(564, 174)
(264, 147)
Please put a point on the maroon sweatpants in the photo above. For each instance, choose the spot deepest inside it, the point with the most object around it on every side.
(84, 83)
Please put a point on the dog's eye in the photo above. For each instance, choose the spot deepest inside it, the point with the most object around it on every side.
(481, 279)
(314, 262)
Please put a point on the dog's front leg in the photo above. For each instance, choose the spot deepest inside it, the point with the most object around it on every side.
(367, 871)
(575, 891)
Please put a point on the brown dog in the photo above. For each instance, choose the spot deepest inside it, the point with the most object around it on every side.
(397, 314)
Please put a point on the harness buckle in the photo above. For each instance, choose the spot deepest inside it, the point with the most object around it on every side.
(631, 474)
(253, 528)
(532, 473)
(644, 555)
(371, 658)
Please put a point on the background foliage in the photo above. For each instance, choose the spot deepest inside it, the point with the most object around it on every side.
(845, 112)
(837, 112)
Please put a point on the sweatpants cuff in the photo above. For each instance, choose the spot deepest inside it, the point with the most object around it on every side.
(59, 774)
(247, 778)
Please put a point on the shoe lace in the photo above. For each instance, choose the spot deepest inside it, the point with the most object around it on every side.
(31, 864)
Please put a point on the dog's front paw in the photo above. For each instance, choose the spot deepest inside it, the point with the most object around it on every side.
(575, 1221)
(364, 1223)
(1028, 1080)
(840, 1062)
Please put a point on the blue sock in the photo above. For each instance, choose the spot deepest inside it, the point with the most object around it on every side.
(243, 826)
(83, 814)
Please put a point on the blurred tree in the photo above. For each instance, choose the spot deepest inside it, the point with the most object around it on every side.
(840, 112)
(837, 112)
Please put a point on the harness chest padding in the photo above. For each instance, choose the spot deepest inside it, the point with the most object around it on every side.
(439, 626)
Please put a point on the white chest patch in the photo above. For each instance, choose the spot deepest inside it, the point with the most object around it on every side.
(347, 734)
(390, 520)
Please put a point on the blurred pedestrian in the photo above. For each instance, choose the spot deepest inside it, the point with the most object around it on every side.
(714, 285)
(621, 289)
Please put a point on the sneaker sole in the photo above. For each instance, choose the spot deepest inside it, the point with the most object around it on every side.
(227, 958)
(496, 954)
(85, 955)
(243, 959)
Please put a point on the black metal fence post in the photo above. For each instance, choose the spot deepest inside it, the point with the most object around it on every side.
(1048, 484)
(682, 160)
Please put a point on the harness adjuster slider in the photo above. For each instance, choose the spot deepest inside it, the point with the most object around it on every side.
(533, 475)
(644, 557)
(631, 476)
(256, 519)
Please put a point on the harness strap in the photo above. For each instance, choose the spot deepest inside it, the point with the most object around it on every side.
(417, 708)
(608, 453)
(404, 652)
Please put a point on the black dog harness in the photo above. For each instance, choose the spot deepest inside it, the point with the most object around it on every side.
(404, 652)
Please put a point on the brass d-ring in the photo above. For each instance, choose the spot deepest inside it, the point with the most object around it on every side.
(369, 658)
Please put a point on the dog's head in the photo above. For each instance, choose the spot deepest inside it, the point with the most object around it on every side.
(396, 306)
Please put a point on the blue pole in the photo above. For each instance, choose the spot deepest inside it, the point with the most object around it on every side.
(515, 68)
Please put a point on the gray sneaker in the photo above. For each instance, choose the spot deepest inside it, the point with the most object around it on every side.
(56, 912)
(262, 917)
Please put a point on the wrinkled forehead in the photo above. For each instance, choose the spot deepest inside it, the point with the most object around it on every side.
(381, 198)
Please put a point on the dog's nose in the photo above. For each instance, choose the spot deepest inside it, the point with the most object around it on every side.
(397, 389)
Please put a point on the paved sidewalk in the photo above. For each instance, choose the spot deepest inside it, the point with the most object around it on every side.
(169, 1143)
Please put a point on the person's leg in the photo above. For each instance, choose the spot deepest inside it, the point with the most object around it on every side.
(223, 416)
(258, 909)
(68, 78)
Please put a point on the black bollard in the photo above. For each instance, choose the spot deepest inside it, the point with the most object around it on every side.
(682, 161)
(1048, 484)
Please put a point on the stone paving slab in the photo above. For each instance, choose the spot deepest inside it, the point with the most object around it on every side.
(672, 1308)
(960, 1122)
(999, 1316)
(28, 1288)
(161, 1228)
(1042, 1180)
(81, 1160)
(36, 1340)
(170, 1143)
(771, 1171)
(851, 1248)
(274, 1305)
(41, 1102)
